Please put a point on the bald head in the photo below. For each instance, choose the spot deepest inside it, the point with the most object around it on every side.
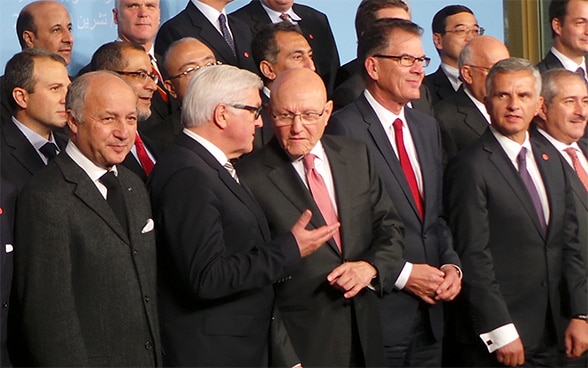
(299, 81)
(476, 59)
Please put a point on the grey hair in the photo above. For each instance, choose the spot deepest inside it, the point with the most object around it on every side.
(549, 78)
(76, 93)
(212, 86)
(465, 56)
(512, 65)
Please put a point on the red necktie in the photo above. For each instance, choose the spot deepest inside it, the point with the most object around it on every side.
(321, 196)
(144, 158)
(407, 167)
(582, 174)
(160, 89)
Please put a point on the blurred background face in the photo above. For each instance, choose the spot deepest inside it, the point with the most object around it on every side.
(138, 62)
(567, 113)
(486, 52)
(137, 20)
(279, 5)
(53, 29)
(185, 59)
(295, 52)
(458, 31)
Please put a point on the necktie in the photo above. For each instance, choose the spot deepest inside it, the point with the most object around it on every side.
(144, 158)
(320, 194)
(222, 20)
(231, 169)
(407, 167)
(582, 174)
(114, 197)
(522, 161)
(581, 71)
(49, 150)
(159, 83)
(285, 17)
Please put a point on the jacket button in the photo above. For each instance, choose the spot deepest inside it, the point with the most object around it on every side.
(148, 345)
(4, 304)
(146, 298)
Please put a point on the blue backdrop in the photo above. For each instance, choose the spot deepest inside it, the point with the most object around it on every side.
(93, 25)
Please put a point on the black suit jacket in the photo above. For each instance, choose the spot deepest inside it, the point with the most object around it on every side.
(7, 206)
(19, 159)
(190, 22)
(312, 310)
(316, 28)
(427, 241)
(86, 287)
(439, 85)
(512, 270)
(549, 62)
(217, 263)
(461, 122)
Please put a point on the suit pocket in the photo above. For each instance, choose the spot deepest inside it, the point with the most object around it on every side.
(239, 325)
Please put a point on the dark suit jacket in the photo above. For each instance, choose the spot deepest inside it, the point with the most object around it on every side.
(6, 110)
(86, 287)
(190, 22)
(461, 122)
(512, 271)
(7, 204)
(439, 86)
(19, 159)
(217, 264)
(315, 27)
(549, 62)
(312, 310)
(425, 242)
(133, 164)
(354, 84)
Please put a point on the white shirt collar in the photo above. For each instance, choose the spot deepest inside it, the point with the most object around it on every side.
(211, 14)
(91, 169)
(35, 139)
(568, 63)
(481, 107)
(511, 147)
(453, 75)
(385, 116)
(275, 16)
(218, 154)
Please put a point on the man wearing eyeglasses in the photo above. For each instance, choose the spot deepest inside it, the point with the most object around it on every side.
(463, 116)
(328, 309)
(453, 26)
(132, 63)
(406, 146)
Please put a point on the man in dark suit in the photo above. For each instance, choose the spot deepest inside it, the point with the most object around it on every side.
(513, 221)
(569, 47)
(463, 116)
(37, 80)
(277, 47)
(453, 26)
(132, 63)
(7, 204)
(329, 295)
(350, 81)
(217, 261)
(406, 145)
(314, 25)
(85, 265)
(207, 21)
(563, 122)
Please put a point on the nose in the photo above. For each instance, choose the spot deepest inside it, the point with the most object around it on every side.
(123, 130)
(258, 122)
(150, 85)
(309, 64)
(417, 67)
(67, 36)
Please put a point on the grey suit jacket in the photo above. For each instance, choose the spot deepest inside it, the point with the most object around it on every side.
(86, 288)
(312, 310)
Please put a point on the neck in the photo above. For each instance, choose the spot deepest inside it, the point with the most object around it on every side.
(34, 125)
(219, 5)
(576, 57)
(384, 100)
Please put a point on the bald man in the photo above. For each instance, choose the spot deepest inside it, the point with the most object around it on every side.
(463, 116)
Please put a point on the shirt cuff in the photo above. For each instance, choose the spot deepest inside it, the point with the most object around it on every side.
(499, 337)
(403, 277)
(459, 273)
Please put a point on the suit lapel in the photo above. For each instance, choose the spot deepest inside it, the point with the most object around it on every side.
(22, 150)
(545, 155)
(473, 117)
(258, 16)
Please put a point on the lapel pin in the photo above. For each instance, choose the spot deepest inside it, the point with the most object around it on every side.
(311, 36)
(1, 210)
(130, 189)
(246, 54)
(545, 156)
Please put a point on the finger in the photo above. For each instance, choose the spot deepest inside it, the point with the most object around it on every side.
(304, 219)
(337, 272)
(353, 292)
(428, 299)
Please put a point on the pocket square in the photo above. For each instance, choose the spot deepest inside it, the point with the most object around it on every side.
(148, 226)
(9, 248)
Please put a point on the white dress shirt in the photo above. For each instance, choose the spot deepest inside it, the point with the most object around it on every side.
(212, 15)
(568, 63)
(452, 74)
(36, 140)
(94, 171)
(561, 147)
(275, 15)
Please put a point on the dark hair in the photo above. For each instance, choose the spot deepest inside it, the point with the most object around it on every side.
(375, 38)
(110, 56)
(558, 9)
(25, 22)
(20, 71)
(264, 45)
(366, 12)
(440, 18)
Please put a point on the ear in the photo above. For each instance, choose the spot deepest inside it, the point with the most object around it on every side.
(219, 116)
(28, 37)
(328, 109)
(21, 96)
(466, 74)
(115, 16)
(72, 124)
(556, 26)
(170, 88)
(437, 41)
(267, 69)
(541, 106)
(371, 66)
(543, 111)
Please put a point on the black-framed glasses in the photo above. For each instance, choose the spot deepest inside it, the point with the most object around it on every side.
(192, 69)
(482, 68)
(140, 75)
(255, 110)
(406, 60)
(306, 118)
(464, 31)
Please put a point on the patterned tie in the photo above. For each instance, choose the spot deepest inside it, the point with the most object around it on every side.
(49, 150)
(231, 169)
(531, 188)
(407, 167)
(321, 196)
(222, 20)
(285, 17)
(581, 71)
(582, 174)
(144, 158)
(159, 83)
(114, 197)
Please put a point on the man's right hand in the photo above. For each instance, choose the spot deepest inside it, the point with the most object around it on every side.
(424, 281)
(511, 354)
(310, 240)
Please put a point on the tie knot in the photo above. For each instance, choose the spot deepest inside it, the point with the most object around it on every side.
(571, 151)
(284, 17)
(222, 19)
(581, 71)
(397, 125)
(49, 150)
(308, 161)
(109, 180)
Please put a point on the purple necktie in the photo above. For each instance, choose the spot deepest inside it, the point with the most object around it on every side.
(522, 161)
(222, 20)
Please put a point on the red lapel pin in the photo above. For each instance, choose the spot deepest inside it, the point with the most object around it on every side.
(545, 156)
(246, 54)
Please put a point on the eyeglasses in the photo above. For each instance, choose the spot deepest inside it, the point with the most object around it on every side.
(192, 69)
(306, 118)
(406, 60)
(464, 31)
(255, 110)
(483, 68)
(140, 75)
